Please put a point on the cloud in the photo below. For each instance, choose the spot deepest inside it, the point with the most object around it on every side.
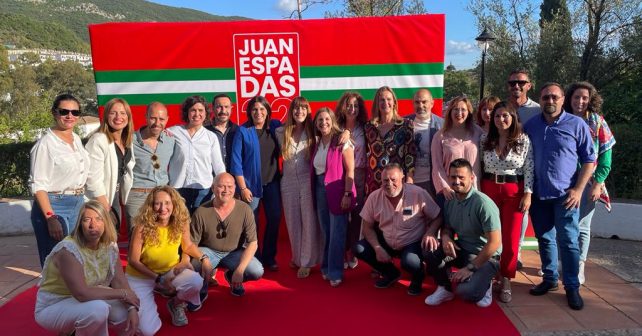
(460, 48)
(286, 6)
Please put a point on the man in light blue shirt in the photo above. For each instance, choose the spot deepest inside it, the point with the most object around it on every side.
(153, 147)
(560, 140)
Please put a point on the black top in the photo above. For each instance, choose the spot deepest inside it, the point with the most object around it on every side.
(269, 155)
(225, 141)
(123, 158)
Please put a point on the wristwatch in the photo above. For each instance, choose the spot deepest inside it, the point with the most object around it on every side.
(471, 267)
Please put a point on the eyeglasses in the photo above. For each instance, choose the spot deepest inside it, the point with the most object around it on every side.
(221, 231)
(553, 97)
(64, 112)
(518, 82)
(155, 162)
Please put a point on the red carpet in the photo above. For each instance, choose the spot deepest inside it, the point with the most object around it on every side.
(281, 304)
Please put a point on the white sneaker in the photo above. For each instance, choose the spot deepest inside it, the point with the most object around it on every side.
(487, 299)
(440, 296)
(580, 274)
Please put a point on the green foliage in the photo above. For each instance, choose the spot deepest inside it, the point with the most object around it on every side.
(25, 32)
(14, 169)
(625, 180)
(358, 8)
(555, 43)
(62, 24)
(460, 82)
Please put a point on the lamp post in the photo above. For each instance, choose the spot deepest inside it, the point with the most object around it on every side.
(483, 41)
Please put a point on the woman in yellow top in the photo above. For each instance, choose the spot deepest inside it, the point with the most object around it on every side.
(83, 288)
(160, 228)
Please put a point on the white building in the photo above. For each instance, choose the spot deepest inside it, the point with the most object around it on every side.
(45, 54)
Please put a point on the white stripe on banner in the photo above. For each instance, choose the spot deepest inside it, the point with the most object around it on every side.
(372, 82)
(306, 84)
(165, 87)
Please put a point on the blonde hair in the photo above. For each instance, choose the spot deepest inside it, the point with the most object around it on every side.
(290, 124)
(147, 219)
(127, 135)
(376, 114)
(448, 120)
(109, 235)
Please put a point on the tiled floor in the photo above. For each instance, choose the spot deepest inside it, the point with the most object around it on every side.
(610, 302)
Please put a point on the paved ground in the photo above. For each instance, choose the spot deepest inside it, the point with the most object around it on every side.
(612, 293)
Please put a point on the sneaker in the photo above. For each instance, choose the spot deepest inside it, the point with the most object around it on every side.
(580, 274)
(236, 291)
(192, 307)
(335, 283)
(487, 299)
(415, 288)
(543, 288)
(574, 299)
(177, 312)
(519, 265)
(352, 264)
(440, 296)
(387, 281)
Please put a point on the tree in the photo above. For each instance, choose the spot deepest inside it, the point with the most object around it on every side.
(555, 43)
(459, 82)
(71, 77)
(357, 8)
(516, 33)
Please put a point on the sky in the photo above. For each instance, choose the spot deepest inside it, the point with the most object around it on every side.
(461, 30)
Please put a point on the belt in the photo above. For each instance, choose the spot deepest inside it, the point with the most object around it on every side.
(501, 179)
(76, 192)
(143, 190)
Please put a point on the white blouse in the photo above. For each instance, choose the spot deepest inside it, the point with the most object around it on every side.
(197, 160)
(518, 162)
(56, 165)
(321, 156)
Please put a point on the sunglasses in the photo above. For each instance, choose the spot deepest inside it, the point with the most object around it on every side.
(155, 162)
(518, 82)
(64, 112)
(221, 231)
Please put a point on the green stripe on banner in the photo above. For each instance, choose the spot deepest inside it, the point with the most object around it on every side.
(368, 94)
(164, 75)
(402, 69)
(165, 98)
(530, 243)
(398, 69)
(327, 95)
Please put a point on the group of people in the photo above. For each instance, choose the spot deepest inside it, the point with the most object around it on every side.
(436, 192)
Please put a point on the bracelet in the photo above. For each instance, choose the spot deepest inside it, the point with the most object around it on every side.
(203, 257)
(124, 295)
(347, 193)
(49, 214)
(130, 308)
(241, 189)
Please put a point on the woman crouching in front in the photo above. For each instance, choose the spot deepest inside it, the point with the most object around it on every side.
(160, 228)
(83, 287)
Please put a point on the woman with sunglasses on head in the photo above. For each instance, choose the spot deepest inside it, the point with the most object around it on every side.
(583, 100)
(59, 168)
(198, 159)
(159, 255)
(112, 159)
(484, 110)
(296, 139)
(508, 180)
(255, 165)
(83, 290)
(457, 139)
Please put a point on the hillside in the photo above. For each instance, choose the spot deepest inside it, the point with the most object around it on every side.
(62, 24)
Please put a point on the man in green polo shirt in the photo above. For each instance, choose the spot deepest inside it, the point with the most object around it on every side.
(474, 218)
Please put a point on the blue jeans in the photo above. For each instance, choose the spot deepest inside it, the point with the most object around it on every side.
(411, 257)
(472, 289)
(587, 209)
(195, 197)
(334, 228)
(65, 206)
(229, 261)
(555, 226)
(272, 210)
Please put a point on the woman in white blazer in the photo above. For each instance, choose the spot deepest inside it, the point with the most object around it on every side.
(112, 158)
